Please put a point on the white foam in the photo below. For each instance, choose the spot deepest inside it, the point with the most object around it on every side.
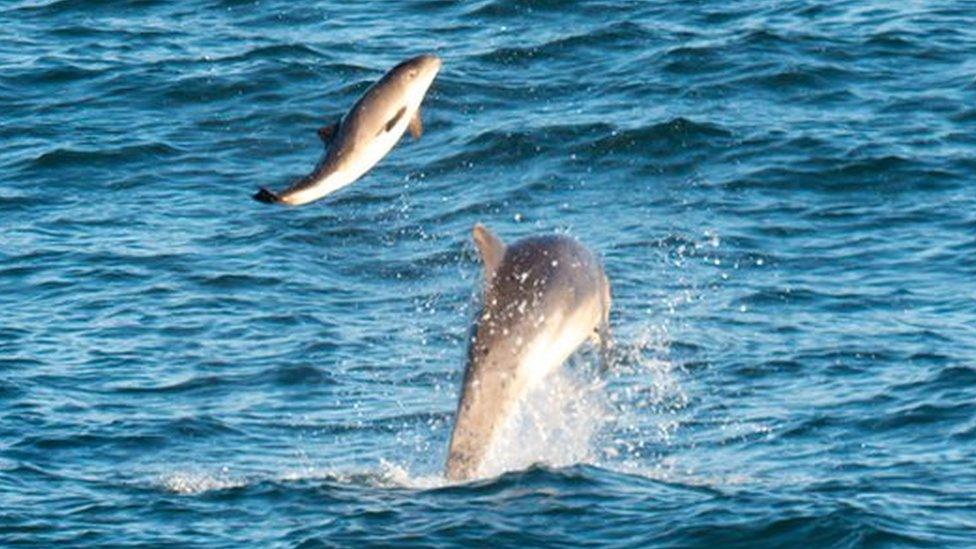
(195, 482)
(554, 423)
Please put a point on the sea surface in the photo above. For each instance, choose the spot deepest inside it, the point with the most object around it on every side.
(783, 194)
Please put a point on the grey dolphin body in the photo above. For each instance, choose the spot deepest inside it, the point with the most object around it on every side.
(544, 296)
(366, 133)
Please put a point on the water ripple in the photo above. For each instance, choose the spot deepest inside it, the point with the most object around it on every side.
(780, 193)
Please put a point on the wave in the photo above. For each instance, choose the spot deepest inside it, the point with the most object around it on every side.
(131, 435)
(927, 415)
(8, 389)
(803, 78)
(290, 51)
(588, 141)
(62, 157)
(191, 385)
(677, 133)
(609, 36)
(302, 375)
(88, 441)
(891, 173)
(60, 7)
(509, 8)
(390, 476)
(563, 499)
(58, 72)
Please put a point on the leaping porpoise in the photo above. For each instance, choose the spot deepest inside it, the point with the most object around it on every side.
(543, 297)
(366, 133)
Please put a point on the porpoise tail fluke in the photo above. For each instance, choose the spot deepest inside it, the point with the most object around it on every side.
(266, 196)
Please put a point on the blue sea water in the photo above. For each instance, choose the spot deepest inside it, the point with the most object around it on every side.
(782, 193)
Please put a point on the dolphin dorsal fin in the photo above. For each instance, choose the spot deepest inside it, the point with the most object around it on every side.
(490, 248)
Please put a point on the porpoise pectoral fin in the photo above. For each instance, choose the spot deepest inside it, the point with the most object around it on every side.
(326, 133)
(491, 249)
(396, 118)
(416, 127)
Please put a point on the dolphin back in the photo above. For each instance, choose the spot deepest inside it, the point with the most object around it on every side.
(543, 298)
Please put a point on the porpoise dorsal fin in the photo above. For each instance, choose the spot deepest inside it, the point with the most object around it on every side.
(490, 248)
(326, 133)
(416, 127)
(393, 121)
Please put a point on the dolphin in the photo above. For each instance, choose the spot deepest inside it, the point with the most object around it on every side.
(366, 133)
(543, 297)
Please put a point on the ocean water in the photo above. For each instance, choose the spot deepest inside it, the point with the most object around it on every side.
(783, 194)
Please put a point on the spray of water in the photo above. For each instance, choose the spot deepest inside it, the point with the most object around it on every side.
(620, 421)
(554, 423)
(624, 421)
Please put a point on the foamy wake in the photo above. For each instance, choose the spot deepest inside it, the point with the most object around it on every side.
(386, 475)
(195, 482)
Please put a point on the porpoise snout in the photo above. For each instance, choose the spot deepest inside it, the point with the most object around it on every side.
(430, 61)
(426, 64)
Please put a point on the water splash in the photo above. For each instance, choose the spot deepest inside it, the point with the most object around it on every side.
(577, 417)
(646, 396)
(196, 482)
(555, 423)
(572, 417)
(386, 475)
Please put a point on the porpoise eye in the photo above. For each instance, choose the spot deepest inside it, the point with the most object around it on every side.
(412, 74)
